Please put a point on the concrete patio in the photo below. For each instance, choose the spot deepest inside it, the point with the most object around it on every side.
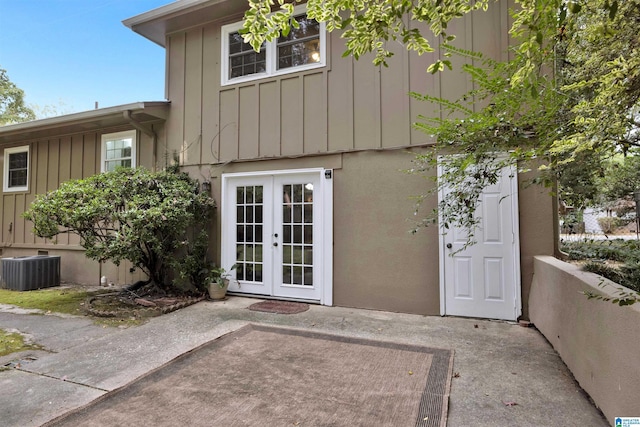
(504, 374)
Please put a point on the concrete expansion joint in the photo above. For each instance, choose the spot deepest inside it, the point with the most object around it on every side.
(64, 379)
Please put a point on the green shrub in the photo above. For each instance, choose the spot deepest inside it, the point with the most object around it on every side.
(608, 224)
(631, 275)
(127, 214)
(626, 252)
(604, 270)
(615, 250)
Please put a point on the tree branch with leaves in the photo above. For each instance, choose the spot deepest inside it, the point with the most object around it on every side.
(12, 106)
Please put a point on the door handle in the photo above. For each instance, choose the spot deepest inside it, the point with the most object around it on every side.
(275, 243)
(449, 245)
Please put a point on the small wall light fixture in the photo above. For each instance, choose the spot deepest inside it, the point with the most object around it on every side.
(206, 187)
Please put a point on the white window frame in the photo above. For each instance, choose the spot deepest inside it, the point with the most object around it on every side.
(7, 153)
(117, 135)
(270, 56)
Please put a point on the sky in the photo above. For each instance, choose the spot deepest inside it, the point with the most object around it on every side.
(66, 55)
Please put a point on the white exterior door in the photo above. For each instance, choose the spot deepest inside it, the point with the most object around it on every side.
(483, 280)
(276, 227)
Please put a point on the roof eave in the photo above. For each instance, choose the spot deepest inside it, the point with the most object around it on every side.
(156, 111)
(157, 23)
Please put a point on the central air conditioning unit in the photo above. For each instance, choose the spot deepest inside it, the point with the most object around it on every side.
(31, 272)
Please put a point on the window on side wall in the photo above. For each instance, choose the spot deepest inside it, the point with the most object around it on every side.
(302, 49)
(16, 169)
(118, 149)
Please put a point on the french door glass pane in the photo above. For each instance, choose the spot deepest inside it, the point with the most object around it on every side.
(297, 231)
(249, 239)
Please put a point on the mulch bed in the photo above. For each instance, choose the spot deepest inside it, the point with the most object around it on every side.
(279, 307)
(143, 302)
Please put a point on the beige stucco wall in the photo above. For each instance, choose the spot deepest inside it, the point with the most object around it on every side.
(599, 341)
(377, 262)
(536, 217)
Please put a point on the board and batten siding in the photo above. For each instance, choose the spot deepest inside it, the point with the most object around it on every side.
(53, 161)
(348, 105)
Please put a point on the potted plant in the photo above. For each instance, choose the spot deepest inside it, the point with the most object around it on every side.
(218, 282)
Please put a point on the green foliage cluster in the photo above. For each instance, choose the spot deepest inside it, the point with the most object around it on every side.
(129, 214)
(555, 107)
(621, 177)
(12, 105)
(596, 252)
(368, 24)
(613, 249)
(608, 224)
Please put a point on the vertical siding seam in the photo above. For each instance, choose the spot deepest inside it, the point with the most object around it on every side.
(13, 219)
(237, 93)
(4, 198)
(352, 107)
(167, 75)
(301, 88)
(470, 45)
(184, 97)
(218, 130)
(82, 158)
(379, 104)
(406, 88)
(438, 80)
(24, 221)
(327, 68)
(25, 234)
(97, 155)
(33, 150)
(279, 100)
(325, 108)
(201, 156)
(504, 26)
(46, 180)
(258, 142)
(57, 183)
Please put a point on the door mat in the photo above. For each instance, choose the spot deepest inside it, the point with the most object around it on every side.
(280, 307)
(272, 376)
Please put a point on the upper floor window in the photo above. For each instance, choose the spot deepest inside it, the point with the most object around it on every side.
(303, 48)
(118, 149)
(16, 169)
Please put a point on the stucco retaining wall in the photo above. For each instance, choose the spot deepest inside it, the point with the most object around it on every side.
(599, 341)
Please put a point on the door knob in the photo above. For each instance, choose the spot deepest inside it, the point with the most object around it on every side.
(275, 243)
(449, 245)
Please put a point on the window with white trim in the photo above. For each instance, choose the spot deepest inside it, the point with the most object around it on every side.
(118, 149)
(16, 169)
(302, 49)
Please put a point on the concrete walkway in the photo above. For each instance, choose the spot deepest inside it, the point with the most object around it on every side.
(495, 364)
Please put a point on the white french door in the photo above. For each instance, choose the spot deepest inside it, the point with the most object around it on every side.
(276, 228)
(483, 280)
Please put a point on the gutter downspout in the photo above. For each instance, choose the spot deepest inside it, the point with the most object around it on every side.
(147, 130)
